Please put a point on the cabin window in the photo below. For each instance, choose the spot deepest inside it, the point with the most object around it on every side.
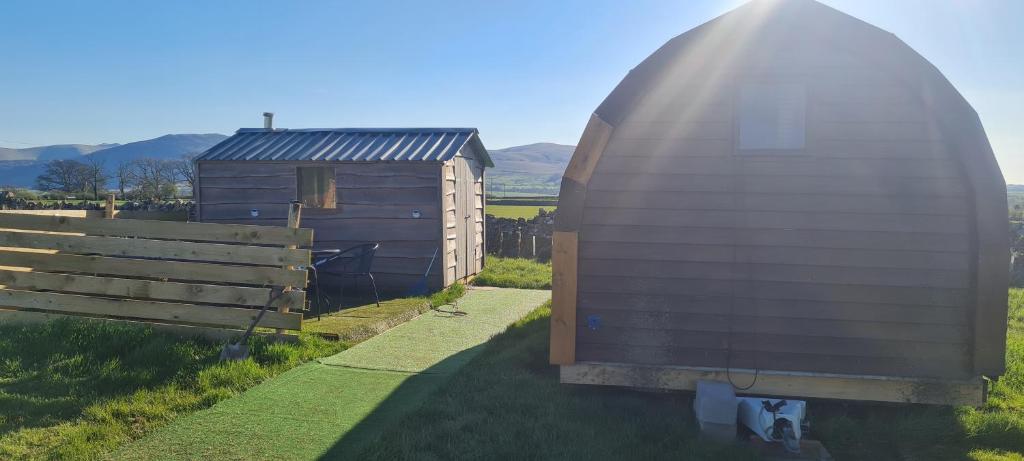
(317, 188)
(772, 117)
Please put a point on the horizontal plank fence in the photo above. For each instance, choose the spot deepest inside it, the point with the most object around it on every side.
(152, 215)
(197, 275)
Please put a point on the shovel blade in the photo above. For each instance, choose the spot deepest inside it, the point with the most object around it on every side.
(234, 352)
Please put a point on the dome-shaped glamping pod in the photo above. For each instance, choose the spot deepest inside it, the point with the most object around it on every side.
(791, 199)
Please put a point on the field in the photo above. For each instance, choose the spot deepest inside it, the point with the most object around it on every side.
(508, 404)
(521, 207)
(516, 211)
(510, 184)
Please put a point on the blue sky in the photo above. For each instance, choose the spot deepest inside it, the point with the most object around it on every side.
(521, 71)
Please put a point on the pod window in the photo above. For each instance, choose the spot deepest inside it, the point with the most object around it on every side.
(316, 187)
(772, 117)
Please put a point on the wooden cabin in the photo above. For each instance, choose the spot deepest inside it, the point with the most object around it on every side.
(413, 191)
(790, 199)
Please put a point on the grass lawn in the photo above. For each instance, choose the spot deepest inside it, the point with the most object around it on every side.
(507, 404)
(514, 273)
(517, 211)
(363, 322)
(75, 389)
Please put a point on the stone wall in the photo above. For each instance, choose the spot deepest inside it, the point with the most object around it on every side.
(521, 238)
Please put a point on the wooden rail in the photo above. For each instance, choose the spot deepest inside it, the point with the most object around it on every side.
(208, 275)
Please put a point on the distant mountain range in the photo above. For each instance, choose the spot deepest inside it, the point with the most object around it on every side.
(20, 167)
(530, 169)
(47, 153)
(520, 170)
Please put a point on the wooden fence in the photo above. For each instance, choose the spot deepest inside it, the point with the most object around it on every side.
(208, 275)
(179, 216)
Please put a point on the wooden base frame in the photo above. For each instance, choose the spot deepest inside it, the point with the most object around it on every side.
(970, 392)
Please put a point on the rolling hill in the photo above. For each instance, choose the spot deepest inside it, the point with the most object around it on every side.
(530, 169)
(534, 169)
(21, 167)
(47, 153)
(167, 147)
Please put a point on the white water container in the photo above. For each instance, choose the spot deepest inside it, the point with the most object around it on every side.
(715, 408)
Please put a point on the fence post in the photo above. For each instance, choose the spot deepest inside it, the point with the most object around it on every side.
(294, 218)
(533, 246)
(108, 211)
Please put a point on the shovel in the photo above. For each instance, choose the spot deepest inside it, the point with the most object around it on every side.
(420, 288)
(240, 349)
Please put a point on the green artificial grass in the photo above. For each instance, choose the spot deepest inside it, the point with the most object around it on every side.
(507, 404)
(74, 389)
(514, 273)
(442, 333)
(334, 407)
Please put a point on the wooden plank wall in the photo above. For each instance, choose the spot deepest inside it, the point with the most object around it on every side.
(375, 204)
(165, 272)
(853, 255)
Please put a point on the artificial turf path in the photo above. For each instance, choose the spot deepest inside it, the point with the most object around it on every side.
(330, 408)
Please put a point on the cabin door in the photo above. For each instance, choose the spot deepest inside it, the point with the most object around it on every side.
(467, 224)
(464, 218)
(461, 208)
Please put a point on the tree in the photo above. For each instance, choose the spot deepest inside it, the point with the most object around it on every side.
(153, 178)
(185, 170)
(124, 176)
(96, 176)
(68, 176)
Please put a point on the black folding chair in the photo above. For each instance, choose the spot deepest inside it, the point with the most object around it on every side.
(350, 263)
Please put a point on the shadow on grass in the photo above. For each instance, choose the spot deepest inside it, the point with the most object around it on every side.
(507, 404)
(405, 399)
(852, 430)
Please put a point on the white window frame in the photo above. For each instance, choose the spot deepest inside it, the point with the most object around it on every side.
(771, 118)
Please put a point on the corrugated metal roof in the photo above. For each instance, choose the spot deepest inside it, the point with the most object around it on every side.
(346, 145)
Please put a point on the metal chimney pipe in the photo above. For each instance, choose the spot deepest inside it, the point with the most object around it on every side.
(268, 120)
